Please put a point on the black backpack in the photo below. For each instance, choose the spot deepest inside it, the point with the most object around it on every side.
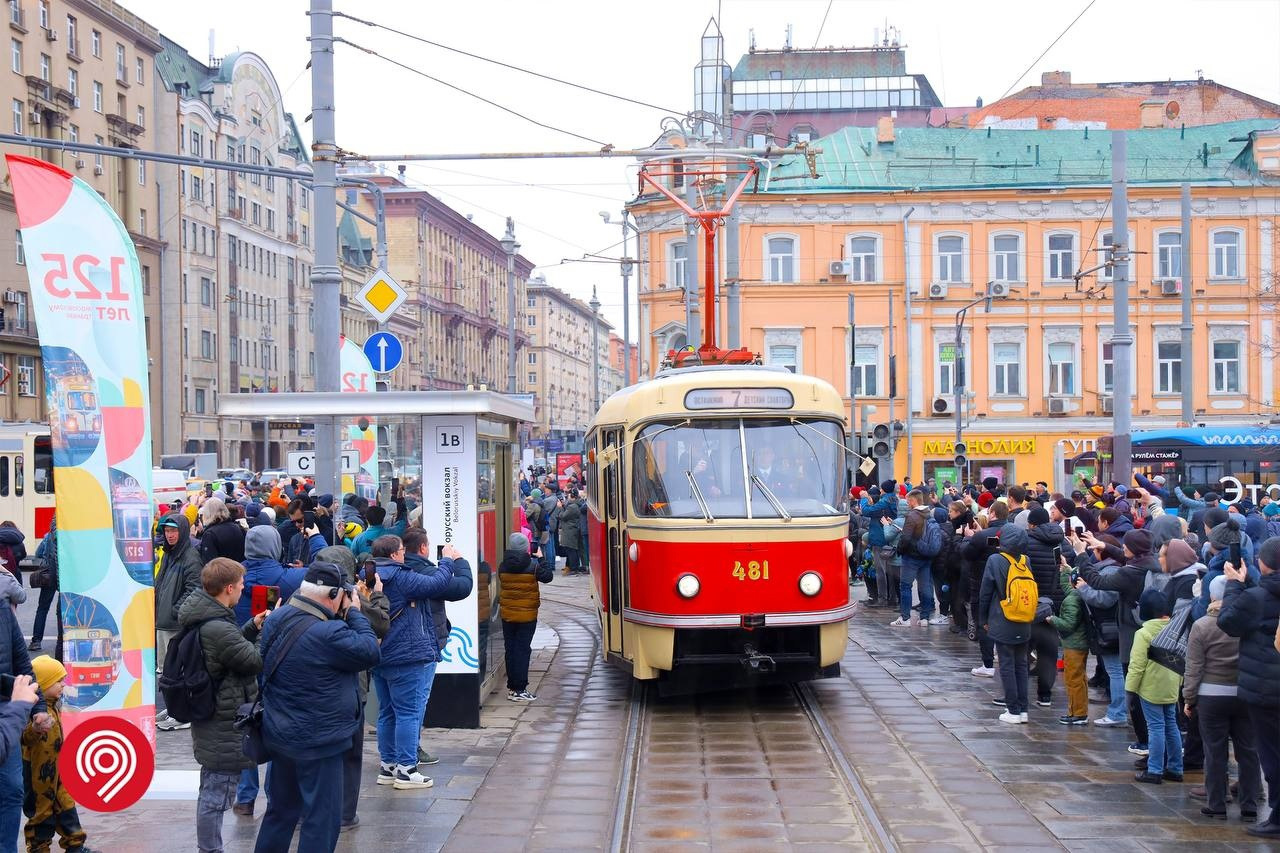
(190, 693)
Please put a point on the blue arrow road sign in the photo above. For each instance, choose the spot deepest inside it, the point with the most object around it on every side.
(384, 352)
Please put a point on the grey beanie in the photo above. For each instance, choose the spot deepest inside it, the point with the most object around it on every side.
(1218, 588)
(518, 542)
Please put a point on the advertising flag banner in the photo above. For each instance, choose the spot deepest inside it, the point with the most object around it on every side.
(357, 376)
(87, 300)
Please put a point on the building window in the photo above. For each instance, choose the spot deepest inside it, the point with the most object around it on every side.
(73, 132)
(678, 253)
(142, 116)
(533, 358)
(97, 158)
(73, 29)
(97, 96)
(1169, 367)
(26, 376)
(20, 311)
(140, 67)
(73, 82)
(1226, 367)
(1006, 250)
(532, 320)
(15, 55)
(1007, 359)
(1226, 246)
(946, 363)
(1062, 368)
(257, 213)
(780, 259)
(199, 404)
(1108, 369)
(142, 173)
(949, 258)
(533, 378)
(783, 355)
(44, 13)
(206, 291)
(17, 115)
(206, 344)
(95, 43)
(866, 370)
(142, 221)
(861, 257)
(120, 71)
(1169, 254)
(533, 302)
(21, 254)
(1061, 251)
(44, 67)
(197, 188)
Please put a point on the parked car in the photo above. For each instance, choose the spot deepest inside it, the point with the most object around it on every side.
(237, 474)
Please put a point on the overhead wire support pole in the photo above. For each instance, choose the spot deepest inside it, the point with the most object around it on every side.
(1121, 337)
(1187, 361)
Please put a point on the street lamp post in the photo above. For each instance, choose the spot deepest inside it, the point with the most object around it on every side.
(510, 246)
(626, 267)
(266, 341)
(595, 350)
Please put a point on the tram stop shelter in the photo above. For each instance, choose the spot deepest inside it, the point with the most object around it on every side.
(455, 453)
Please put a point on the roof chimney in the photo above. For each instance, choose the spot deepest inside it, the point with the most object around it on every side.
(1055, 78)
(1151, 114)
(884, 130)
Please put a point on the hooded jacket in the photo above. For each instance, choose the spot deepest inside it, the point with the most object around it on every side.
(570, 533)
(222, 539)
(1072, 618)
(231, 656)
(1044, 544)
(1213, 659)
(995, 577)
(460, 584)
(412, 637)
(1182, 584)
(1128, 581)
(13, 540)
(518, 579)
(1120, 526)
(178, 576)
(1153, 682)
(1252, 614)
(262, 567)
(885, 507)
(363, 543)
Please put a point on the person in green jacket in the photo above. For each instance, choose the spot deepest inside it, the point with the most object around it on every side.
(1157, 689)
(1071, 623)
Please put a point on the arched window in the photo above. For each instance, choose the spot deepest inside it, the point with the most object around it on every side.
(1226, 247)
(949, 251)
(1006, 257)
(780, 257)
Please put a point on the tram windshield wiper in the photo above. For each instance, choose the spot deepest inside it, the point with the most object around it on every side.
(697, 495)
(771, 497)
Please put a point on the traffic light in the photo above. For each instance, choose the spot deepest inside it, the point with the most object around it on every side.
(961, 460)
(880, 446)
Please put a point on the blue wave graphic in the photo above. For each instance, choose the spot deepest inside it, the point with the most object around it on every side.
(461, 644)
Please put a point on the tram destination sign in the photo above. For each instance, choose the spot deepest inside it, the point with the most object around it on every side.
(739, 398)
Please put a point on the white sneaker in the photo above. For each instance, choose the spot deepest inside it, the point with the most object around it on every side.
(1107, 721)
(1023, 718)
(900, 623)
(408, 778)
(386, 774)
(939, 619)
(983, 672)
(1012, 719)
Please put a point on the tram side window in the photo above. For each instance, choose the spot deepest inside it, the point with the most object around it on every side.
(43, 453)
(19, 476)
(4, 476)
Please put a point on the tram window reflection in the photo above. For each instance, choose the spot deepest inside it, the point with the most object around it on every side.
(798, 465)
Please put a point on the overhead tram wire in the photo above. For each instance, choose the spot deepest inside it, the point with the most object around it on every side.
(470, 94)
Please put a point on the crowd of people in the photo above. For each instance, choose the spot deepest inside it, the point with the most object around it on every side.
(1175, 592)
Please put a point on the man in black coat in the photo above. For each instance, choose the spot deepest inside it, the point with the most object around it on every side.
(15, 661)
(1044, 548)
(1252, 614)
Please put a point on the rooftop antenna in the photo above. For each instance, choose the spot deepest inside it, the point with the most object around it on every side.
(751, 36)
(212, 54)
(787, 46)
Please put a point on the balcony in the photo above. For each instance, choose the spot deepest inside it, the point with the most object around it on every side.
(73, 51)
(40, 89)
(122, 76)
(124, 129)
(17, 329)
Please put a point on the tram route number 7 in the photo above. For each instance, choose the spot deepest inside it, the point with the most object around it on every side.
(755, 570)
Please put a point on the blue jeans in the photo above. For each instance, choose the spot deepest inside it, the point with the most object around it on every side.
(549, 550)
(401, 707)
(217, 790)
(247, 790)
(11, 795)
(923, 578)
(1119, 708)
(306, 790)
(1163, 738)
(429, 679)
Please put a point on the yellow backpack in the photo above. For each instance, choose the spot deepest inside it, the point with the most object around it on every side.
(1021, 594)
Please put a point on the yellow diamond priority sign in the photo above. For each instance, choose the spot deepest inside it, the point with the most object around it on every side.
(381, 296)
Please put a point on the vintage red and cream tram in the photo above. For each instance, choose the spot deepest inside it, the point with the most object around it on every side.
(717, 527)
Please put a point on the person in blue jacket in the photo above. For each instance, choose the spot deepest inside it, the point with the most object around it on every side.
(311, 707)
(377, 516)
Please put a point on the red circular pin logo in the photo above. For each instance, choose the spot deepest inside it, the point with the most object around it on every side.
(106, 764)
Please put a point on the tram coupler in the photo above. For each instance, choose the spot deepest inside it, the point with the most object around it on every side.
(756, 662)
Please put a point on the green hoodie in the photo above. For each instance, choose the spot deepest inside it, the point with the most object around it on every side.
(1151, 681)
(1070, 620)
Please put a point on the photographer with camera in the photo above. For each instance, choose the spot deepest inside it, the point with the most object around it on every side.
(314, 647)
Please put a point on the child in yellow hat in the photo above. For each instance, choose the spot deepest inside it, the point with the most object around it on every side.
(48, 806)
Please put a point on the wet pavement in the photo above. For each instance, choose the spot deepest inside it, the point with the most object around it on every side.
(902, 752)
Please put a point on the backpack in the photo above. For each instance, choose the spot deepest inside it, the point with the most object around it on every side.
(1021, 594)
(930, 542)
(190, 693)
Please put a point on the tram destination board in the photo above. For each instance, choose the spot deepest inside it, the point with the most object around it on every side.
(738, 398)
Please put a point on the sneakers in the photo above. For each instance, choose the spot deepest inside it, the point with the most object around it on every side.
(1139, 749)
(983, 672)
(1012, 719)
(1069, 720)
(1107, 721)
(165, 723)
(900, 623)
(243, 809)
(939, 619)
(520, 696)
(346, 826)
(998, 700)
(33, 646)
(1024, 717)
(386, 774)
(427, 758)
(408, 778)
(1149, 778)
(1044, 701)
(1170, 776)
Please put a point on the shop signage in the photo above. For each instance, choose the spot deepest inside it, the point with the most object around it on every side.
(983, 447)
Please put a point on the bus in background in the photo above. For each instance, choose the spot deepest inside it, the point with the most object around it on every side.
(1237, 462)
(26, 479)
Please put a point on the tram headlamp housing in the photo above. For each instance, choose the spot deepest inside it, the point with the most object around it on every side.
(811, 583)
(688, 585)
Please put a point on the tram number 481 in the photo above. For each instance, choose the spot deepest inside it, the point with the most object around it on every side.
(755, 570)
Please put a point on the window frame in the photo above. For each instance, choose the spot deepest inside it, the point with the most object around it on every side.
(768, 258)
(1214, 361)
(999, 370)
(1020, 256)
(678, 268)
(1160, 362)
(1240, 254)
(938, 237)
(861, 369)
(1157, 255)
(1055, 374)
(876, 254)
(1050, 254)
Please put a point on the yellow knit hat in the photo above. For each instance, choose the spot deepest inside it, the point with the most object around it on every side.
(48, 671)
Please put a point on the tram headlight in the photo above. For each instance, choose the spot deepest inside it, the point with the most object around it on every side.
(811, 583)
(688, 586)
(633, 552)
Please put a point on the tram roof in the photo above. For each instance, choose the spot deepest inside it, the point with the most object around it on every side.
(665, 393)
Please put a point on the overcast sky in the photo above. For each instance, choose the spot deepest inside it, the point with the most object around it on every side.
(647, 52)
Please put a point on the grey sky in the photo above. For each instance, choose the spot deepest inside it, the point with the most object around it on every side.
(647, 52)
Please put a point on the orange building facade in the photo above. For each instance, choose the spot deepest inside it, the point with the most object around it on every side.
(1039, 385)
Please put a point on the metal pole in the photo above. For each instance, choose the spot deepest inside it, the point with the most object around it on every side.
(595, 350)
(709, 284)
(625, 267)
(853, 391)
(1121, 339)
(732, 274)
(510, 245)
(326, 276)
(893, 391)
(692, 332)
(958, 382)
(630, 154)
(906, 276)
(1186, 362)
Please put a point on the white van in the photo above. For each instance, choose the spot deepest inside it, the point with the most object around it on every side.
(168, 485)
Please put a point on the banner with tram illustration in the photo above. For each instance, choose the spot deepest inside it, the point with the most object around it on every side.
(357, 376)
(87, 298)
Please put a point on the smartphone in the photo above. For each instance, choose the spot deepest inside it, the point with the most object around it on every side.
(439, 553)
(370, 573)
(1075, 576)
(308, 519)
(6, 686)
(263, 598)
(1233, 555)
(395, 487)
(993, 539)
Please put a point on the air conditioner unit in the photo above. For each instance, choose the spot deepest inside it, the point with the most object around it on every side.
(1170, 286)
(998, 289)
(943, 405)
(938, 290)
(1106, 403)
(51, 34)
(97, 170)
(11, 296)
(1056, 405)
(75, 103)
(79, 164)
(839, 268)
(34, 116)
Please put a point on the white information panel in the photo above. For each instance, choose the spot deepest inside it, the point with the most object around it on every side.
(449, 515)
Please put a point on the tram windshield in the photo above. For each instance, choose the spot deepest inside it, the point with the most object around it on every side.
(739, 468)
